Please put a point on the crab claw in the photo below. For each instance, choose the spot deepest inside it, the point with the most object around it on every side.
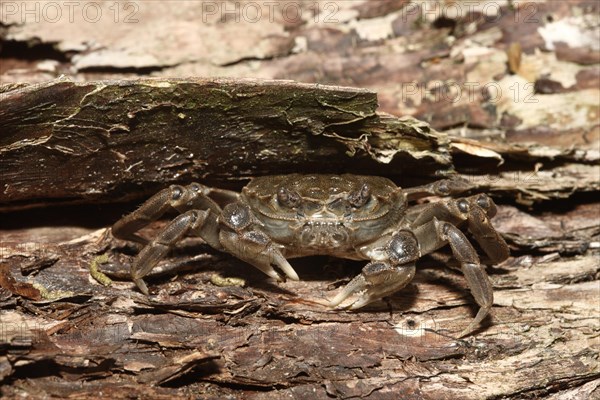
(357, 284)
(377, 280)
(285, 266)
(257, 249)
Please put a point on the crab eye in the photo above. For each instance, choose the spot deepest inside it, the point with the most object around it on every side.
(360, 197)
(483, 201)
(288, 198)
(487, 204)
(177, 192)
(195, 187)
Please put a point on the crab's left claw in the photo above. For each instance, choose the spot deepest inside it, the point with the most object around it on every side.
(382, 278)
(377, 280)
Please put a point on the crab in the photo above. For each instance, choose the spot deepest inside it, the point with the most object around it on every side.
(276, 218)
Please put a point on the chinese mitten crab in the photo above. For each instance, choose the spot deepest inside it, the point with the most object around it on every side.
(276, 218)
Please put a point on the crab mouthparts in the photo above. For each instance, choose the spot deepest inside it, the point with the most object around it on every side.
(324, 234)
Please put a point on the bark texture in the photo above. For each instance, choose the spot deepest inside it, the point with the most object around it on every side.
(77, 152)
(108, 141)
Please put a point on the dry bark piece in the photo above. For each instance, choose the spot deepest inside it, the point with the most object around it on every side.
(8, 282)
(175, 369)
(109, 141)
(38, 264)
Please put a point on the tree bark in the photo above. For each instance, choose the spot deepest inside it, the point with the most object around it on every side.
(66, 142)
(201, 332)
(77, 153)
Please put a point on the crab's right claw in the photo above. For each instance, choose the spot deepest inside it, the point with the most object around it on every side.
(241, 236)
(255, 248)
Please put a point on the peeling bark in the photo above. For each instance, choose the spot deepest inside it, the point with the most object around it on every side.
(110, 141)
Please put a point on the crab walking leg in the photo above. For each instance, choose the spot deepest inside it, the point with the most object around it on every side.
(240, 236)
(482, 230)
(385, 276)
(444, 187)
(180, 198)
(221, 196)
(476, 211)
(436, 234)
(201, 223)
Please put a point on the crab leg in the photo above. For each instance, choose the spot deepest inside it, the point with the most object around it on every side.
(476, 211)
(444, 187)
(201, 223)
(481, 209)
(180, 198)
(435, 234)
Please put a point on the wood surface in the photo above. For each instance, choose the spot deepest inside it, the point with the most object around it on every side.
(78, 151)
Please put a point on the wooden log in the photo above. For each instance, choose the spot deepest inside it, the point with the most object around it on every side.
(106, 141)
(204, 332)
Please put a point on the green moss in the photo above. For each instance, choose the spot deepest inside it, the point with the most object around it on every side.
(52, 294)
(218, 280)
(95, 272)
